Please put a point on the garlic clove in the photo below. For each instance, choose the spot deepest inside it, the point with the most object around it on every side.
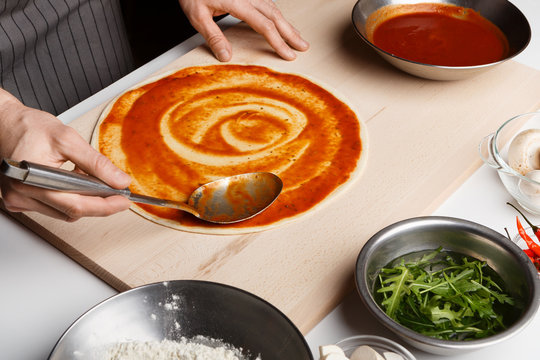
(365, 352)
(524, 151)
(330, 349)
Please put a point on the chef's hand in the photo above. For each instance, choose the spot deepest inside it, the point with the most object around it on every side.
(262, 15)
(37, 136)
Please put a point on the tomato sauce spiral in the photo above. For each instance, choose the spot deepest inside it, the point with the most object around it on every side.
(203, 123)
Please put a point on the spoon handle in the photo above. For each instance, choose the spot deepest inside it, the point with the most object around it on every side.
(162, 202)
(58, 179)
(68, 181)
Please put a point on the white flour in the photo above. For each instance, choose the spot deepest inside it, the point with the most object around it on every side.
(171, 350)
(197, 348)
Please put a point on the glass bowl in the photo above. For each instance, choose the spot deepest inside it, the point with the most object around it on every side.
(378, 344)
(494, 152)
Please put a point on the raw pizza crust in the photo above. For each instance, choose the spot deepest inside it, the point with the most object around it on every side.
(115, 153)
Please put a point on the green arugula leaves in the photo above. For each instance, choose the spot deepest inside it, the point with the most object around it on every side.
(444, 296)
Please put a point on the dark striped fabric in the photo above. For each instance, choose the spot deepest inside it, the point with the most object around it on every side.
(56, 53)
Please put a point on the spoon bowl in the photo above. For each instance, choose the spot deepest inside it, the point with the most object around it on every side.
(236, 198)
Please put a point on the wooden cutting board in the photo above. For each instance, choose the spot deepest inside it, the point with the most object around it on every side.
(423, 144)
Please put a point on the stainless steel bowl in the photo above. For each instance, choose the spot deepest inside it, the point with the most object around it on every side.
(188, 308)
(424, 233)
(502, 13)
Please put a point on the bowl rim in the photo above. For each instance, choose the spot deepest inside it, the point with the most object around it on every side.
(411, 335)
(166, 283)
(370, 339)
(445, 67)
(495, 151)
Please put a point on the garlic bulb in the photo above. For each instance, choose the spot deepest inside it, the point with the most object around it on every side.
(524, 151)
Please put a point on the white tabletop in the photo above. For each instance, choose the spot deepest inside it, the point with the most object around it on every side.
(43, 291)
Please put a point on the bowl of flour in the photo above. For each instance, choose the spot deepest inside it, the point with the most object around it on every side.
(183, 320)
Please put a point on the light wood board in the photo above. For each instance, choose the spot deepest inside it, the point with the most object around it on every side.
(423, 144)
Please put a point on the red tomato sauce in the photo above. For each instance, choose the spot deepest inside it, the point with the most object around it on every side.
(244, 115)
(440, 34)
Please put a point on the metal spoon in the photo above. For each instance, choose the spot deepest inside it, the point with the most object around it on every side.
(223, 201)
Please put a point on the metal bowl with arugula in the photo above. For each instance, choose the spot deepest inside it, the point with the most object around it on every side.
(447, 285)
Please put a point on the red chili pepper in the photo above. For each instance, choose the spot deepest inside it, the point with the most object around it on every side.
(535, 259)
(530, 242)
(534, 228)
(531, 255)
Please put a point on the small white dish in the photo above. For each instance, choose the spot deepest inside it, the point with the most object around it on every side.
(378, 343)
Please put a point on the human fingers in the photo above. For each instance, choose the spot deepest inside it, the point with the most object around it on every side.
(216, 40)
(287, 31)
(52, 145)
(29, 204)
(76, 206)
(266, 19)
(73, 147)
(200, 15)
(40, 137)
(59, 205)
(262, 15)
(36, 136)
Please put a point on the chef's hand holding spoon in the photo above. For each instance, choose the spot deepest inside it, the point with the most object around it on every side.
(224, 201)
(262, 15)
(34, 135)
(101, 188)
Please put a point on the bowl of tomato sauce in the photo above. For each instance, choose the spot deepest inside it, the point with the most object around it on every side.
(442, 40)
